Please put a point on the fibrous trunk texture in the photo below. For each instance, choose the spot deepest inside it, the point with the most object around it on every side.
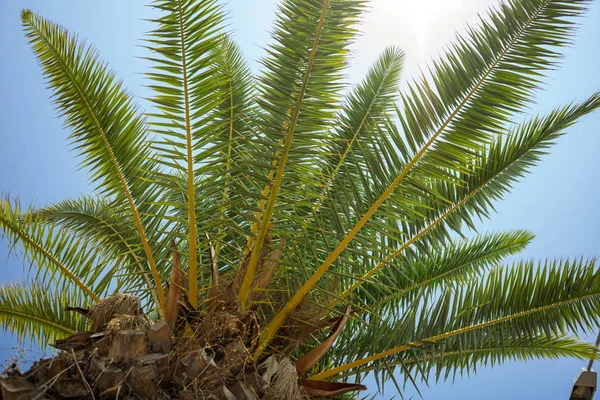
(126, 356)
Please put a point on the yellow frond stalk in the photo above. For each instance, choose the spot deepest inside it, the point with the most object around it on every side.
(246, 287)
(191, 203)
(445, 335)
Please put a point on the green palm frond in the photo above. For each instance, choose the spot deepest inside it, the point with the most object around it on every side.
(424, 274)
(518, 302)
(498, 168)
(421, 277)
(364, 108)
(97, 219)
(107, 129)
(55, 254)
(110, 227)
(457, 359)
(187, 91)
(298, 92)
(33, 311)
(505, 161)
(500, 63)
(225, 176)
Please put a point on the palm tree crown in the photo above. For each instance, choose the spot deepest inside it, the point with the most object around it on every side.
(332, 221)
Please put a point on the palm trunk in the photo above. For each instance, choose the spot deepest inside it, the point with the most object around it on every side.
(145, 363)
(128, 356)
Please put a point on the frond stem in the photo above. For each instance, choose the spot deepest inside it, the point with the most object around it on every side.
(415, 286)
(228, 165)
(396, 350)
(65, 270)
(113, 159)
(246, 287)
(136, 259)
(193, 271)
(37, 319)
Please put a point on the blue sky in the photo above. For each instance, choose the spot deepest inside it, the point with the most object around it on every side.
(558, 202)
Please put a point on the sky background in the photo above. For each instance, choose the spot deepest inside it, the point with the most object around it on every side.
(558, 202)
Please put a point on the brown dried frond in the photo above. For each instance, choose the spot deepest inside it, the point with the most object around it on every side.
(232, 283)
(285, 383)
(196, 368)
(106, 309)
(302, 323)
(124, 322)
(217, 327)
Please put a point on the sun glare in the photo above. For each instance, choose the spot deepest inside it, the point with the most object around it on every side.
(420, 27)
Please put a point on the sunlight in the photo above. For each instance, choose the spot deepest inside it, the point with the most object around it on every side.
(421, 28)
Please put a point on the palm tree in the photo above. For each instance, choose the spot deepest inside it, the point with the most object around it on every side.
(276, 236)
